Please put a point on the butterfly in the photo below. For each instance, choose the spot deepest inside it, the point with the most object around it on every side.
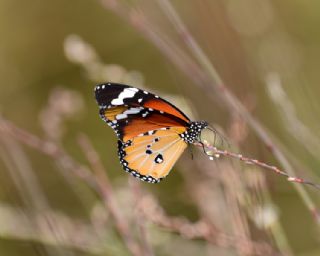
(152, 133)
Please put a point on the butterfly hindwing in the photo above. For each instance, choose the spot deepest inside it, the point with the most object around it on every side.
(131, 111)
(151, 156)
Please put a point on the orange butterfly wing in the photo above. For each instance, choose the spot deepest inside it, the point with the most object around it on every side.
(149, 129)
(131, 111)
(164, 106)
(151, 157)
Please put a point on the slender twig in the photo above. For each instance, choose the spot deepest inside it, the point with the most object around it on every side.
(201, 229)
(100, 175)
(215, 152)
(31, 191)
(20, 224)
(48, 148)
(56, 152)
(137, 193)
(204, 75)
(217, 86)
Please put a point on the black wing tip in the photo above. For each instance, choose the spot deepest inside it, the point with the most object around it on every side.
(104, 92)
(104, 85)
(101, 86)
(99, 91)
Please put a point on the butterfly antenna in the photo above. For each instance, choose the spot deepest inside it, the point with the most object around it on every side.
(215, 135)
(223, 138)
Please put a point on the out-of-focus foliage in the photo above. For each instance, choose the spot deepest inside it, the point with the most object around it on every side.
(52, 53)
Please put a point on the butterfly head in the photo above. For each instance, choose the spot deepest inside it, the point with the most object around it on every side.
(193, 132)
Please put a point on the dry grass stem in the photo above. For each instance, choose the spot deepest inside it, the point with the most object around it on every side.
(141, 223)
(31, 192)
(215, 152)
(203, 74)
(200, 230)
(48, 148)
(86, 238)
(108, 197)
(100, 185)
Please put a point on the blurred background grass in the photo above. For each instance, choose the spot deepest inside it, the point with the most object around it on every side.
(52, 53)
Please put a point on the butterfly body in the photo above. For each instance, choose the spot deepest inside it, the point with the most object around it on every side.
(152, 133)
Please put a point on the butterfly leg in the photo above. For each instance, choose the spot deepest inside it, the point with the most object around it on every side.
(191, 152)
(203, 148)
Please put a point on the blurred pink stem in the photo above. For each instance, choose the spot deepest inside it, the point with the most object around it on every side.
(215, 152)
(99, 183)
(204, 75)
(108, 197)
(229, 99)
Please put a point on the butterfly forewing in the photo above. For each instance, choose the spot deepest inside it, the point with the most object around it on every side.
(113, 95)
(131, 111)
(151, 156)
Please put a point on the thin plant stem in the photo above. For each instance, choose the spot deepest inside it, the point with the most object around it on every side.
(210, 81)
(56, 152)
(31, 192)
(108, 197)
(19, 226)
(215, 152)
(50, 149)
(201, 229)
(141, 223)
(230, 100)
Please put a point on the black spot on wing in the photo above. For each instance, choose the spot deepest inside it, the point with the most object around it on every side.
(159, 159)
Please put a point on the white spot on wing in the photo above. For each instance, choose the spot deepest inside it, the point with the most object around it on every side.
(132, 111)
(125, 94)
(117, 102)
(121, 116)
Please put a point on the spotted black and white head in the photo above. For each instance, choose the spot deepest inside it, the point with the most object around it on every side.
(192, 134)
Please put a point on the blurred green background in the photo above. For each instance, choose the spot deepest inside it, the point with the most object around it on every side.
(52, 53)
